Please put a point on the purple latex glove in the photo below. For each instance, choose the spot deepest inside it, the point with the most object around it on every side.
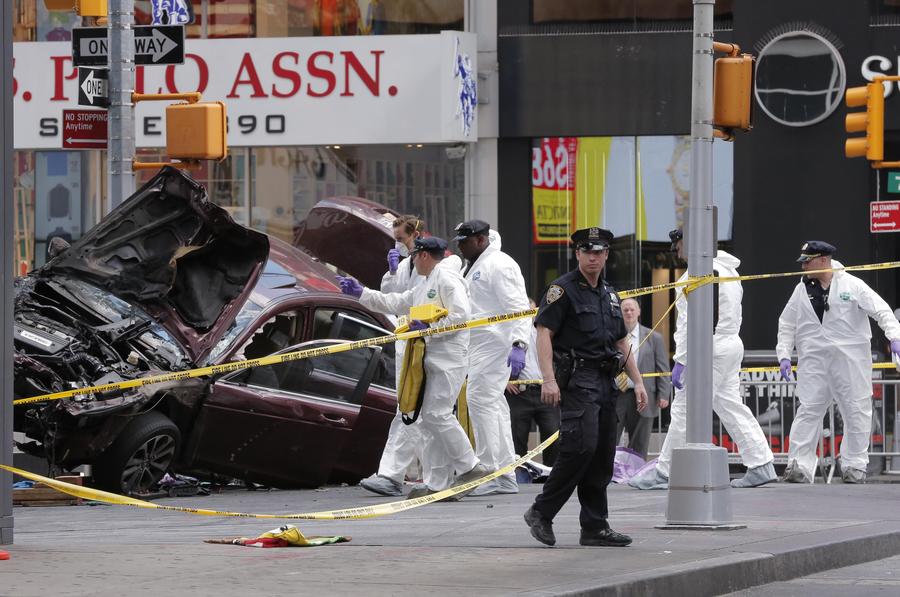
(678, 375)
(416, 324)
(393, 258)
(895, 347)
(516, 361)
(785, 369)
(350, 286)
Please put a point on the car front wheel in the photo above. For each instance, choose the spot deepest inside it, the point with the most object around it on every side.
(140, 455)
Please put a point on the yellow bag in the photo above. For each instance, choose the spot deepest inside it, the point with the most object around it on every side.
(462, 414)
(411, 389)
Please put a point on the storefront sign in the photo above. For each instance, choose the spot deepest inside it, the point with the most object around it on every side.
(84, 129)
(553, 189)
(884, 216)
(280, 91)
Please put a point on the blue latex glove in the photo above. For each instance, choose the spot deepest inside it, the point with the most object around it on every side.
(416, 324)
(393, 258)
(895, 347)
(785, 369)
(350, 286)
(516, 361)
(678, 375)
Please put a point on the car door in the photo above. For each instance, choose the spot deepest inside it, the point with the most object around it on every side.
(284, 424)
(361, 455)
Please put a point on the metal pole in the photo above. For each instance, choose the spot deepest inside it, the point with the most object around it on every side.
(6, 267)
(121, 108)
(699, 489)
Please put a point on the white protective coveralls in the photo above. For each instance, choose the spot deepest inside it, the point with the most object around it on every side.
(446, 446)
(728, 352)
(834, 362)
(405, 442)
(496, 286)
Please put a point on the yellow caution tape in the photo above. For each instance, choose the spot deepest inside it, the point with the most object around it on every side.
(275, 359)
(346, 514)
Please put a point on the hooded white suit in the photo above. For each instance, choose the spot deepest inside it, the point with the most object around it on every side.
(834, 361)
(728, 352)
(496, 286)
(446, 446)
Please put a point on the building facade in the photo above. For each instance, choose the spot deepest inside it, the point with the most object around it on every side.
(370, 98)
(595, 126)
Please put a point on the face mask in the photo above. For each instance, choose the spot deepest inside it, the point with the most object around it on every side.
(402, 249)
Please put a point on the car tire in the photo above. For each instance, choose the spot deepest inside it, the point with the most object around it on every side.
(139, 456)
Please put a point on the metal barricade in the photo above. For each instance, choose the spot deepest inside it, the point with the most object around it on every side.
(773, 402)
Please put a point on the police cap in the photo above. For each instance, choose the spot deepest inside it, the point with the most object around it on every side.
(471, 228)
(675, 236)
(815, 248)
(592, 239)
(430, 244)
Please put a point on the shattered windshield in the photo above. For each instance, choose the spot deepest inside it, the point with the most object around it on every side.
(245, 316)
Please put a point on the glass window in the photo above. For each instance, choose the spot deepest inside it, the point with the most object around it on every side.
(274, 335)
(287, 182)
(353, 325)
(637, 187)
(333, 377)
(626, 13)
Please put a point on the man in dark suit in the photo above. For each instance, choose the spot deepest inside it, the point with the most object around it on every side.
(651, 358)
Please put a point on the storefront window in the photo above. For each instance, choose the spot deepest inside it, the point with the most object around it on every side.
(637, 187)
(287, 182)
(627, 13)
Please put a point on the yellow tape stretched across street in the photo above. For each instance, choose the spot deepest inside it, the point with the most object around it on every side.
(275, 359)
(689, 284)
(372, 511)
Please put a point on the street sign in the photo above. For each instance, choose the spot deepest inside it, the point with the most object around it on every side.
(884, 216)
(92, 87)
(84, 129)
(893, 182)
(153, 44)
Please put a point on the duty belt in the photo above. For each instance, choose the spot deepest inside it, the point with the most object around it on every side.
(601, 365)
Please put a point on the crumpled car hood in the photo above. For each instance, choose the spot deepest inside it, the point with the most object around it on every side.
(170, 250)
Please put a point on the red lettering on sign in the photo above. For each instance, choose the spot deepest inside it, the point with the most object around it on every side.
(247, 64)
(202, 74)
(319, 73)
(351, 61)
(59, 77)
(283, 73)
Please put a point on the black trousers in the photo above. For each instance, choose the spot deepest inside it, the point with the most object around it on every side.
(586, 451)
(630, 419)
(526, 407)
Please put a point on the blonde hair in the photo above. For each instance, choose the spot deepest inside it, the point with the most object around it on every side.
(411, 224)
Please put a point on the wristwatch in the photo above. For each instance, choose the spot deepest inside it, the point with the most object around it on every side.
(520, 344)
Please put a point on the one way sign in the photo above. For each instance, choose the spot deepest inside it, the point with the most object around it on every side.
(92, 87)
(154, 44)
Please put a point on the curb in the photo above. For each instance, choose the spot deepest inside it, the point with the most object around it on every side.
(764, 562)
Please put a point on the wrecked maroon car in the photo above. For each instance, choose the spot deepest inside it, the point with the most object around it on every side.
(169, 282)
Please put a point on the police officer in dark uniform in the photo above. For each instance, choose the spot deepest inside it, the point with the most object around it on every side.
(581, 343)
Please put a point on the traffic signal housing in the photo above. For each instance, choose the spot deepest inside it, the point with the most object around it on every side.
(733, 91)
(871, 122)
(196, 131)
(91, 8)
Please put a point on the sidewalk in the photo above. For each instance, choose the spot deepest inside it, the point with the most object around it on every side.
(476, 546)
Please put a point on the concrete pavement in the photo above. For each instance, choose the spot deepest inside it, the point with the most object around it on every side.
(479, 545)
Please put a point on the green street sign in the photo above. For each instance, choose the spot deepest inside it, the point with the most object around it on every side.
(893, 182)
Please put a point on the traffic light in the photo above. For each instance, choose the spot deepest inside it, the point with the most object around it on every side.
(733, 93)
(91, 8)
(871, 121)
(196, 131)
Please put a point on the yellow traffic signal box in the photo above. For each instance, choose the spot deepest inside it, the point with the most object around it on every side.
(733, 92)
(196, 131)
(89, 8)
(871, 121)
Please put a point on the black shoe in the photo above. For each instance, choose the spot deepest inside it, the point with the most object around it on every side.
(604, 538)
(541, 528)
